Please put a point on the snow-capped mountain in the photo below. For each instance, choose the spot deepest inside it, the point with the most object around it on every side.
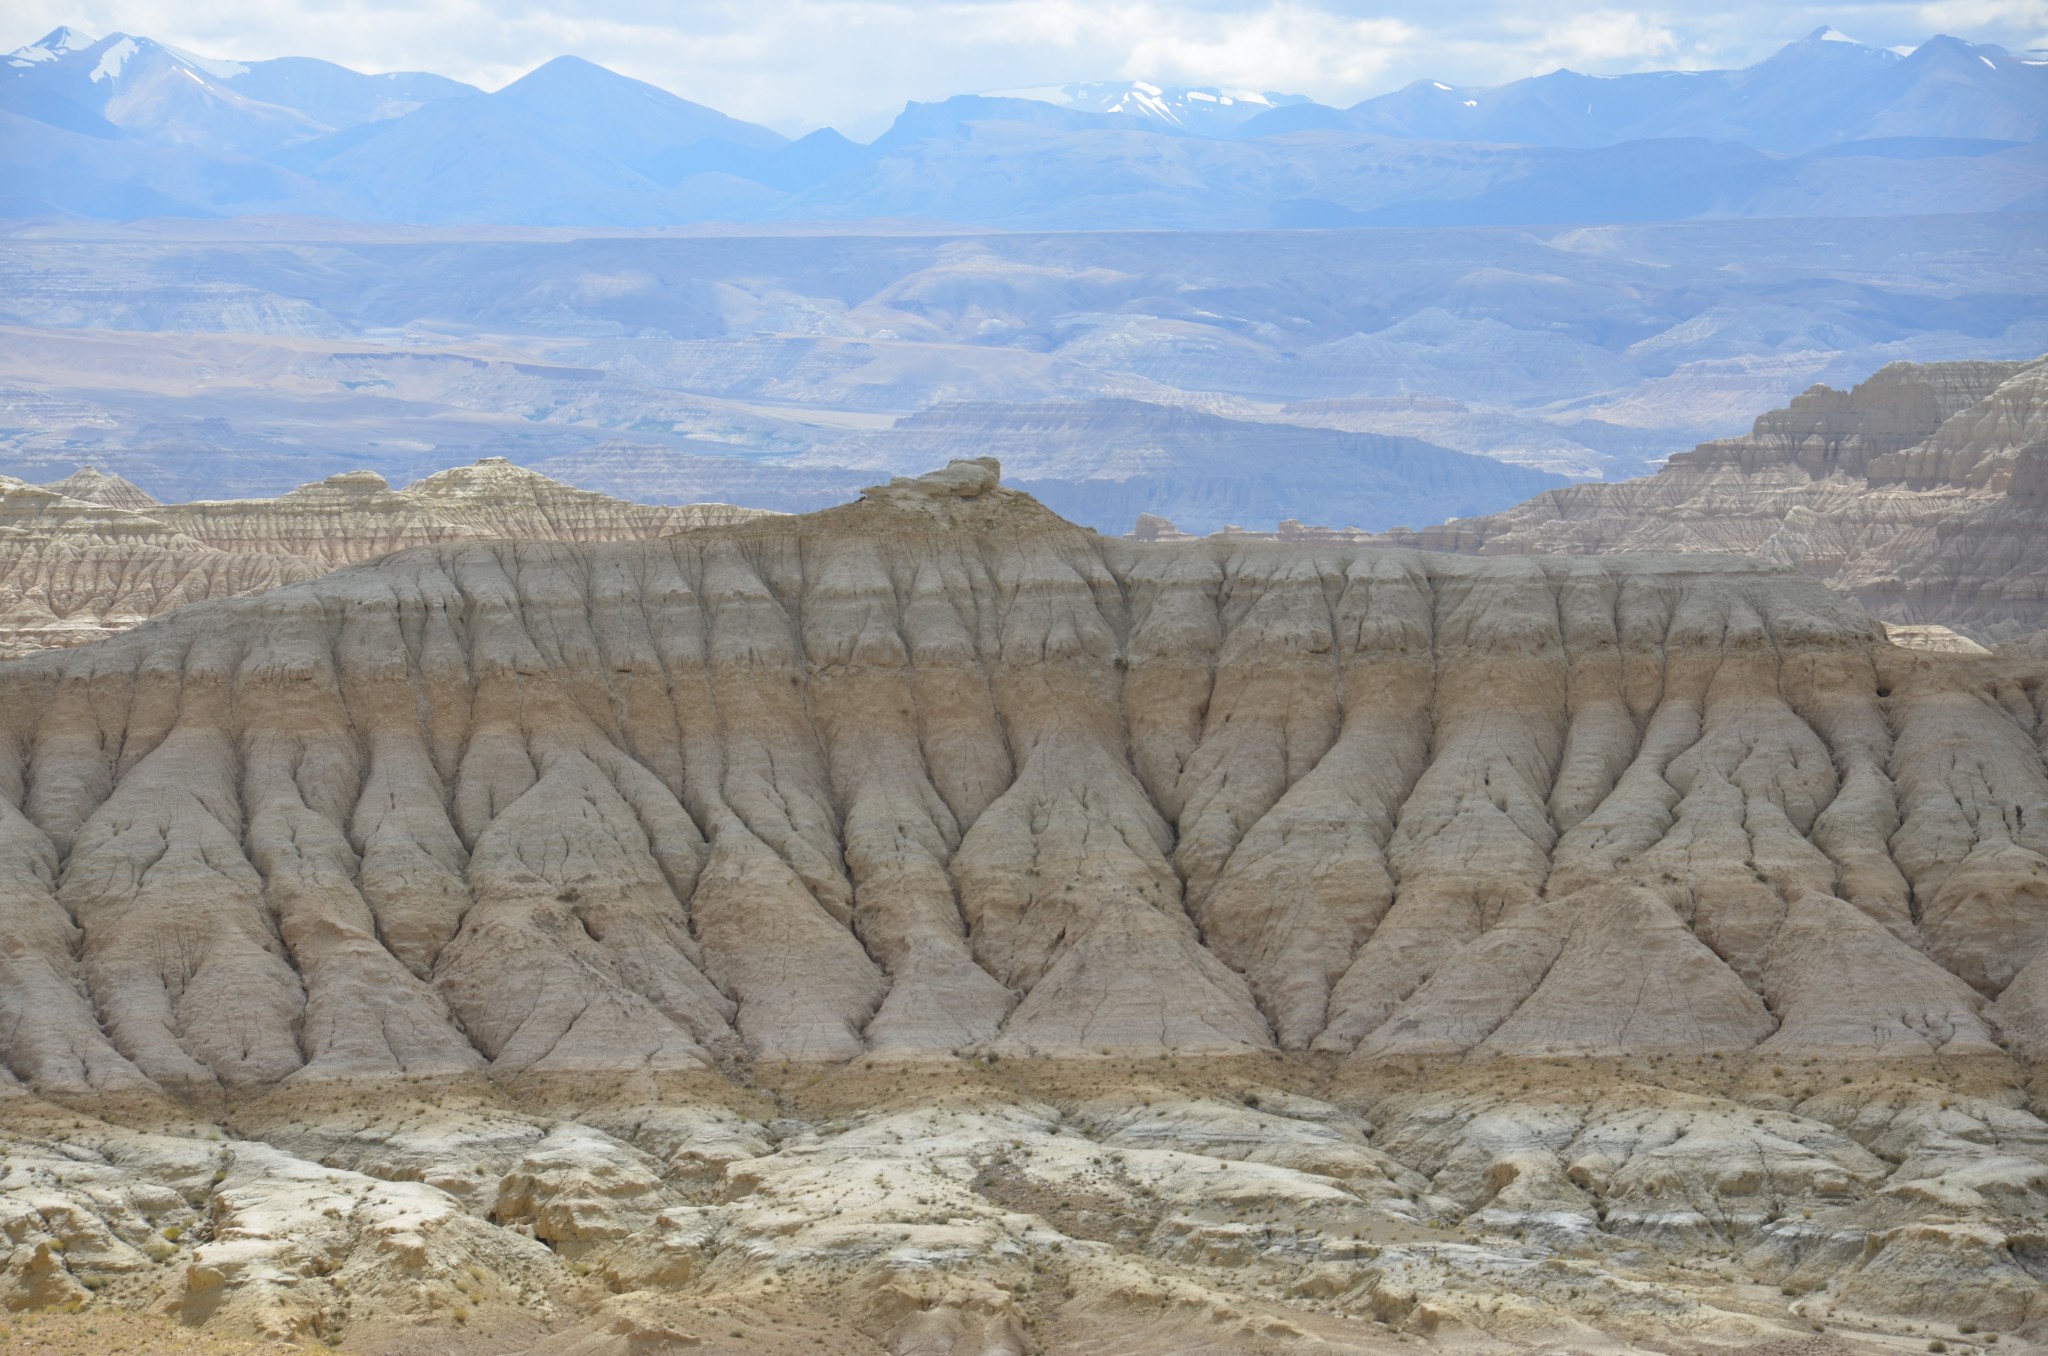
(52, 45)
(1826, 89)
(1206, 110)
(158, 94)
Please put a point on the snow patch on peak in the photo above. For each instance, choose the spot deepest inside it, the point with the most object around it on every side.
(53, 44)
(1440, 85)
(113, 59)
(1153, 104)
(1827, 34)
(1206, 109)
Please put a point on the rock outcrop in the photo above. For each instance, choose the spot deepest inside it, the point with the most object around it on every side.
(1937, 639)
(927, 926)
(92, 555)
(95, 486)
(992, 783)
(1920, 493)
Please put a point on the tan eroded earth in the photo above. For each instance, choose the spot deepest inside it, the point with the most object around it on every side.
(926, 926)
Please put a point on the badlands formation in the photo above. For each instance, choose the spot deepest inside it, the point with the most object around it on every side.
(926, 926)
(92, 554)
(1923, 492)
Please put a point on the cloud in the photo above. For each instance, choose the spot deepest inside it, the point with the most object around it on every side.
(800, 63)
(2028, 19)
(1281, 47)
(1604, 37)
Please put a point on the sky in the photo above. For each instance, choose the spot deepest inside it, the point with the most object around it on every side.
(800, 64)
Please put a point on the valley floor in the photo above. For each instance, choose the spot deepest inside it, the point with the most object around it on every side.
(1278, 1203)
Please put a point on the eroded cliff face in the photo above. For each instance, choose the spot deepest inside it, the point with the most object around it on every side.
(927, 926)
(1905, 493)
(93, 555)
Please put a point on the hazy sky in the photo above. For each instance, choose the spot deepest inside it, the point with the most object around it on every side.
(801, 63)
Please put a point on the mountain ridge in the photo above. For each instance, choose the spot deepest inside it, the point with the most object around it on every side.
(1821, 90)
(573, 144)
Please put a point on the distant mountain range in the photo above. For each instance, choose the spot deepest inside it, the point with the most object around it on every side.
(122, 127)
(1826, 90)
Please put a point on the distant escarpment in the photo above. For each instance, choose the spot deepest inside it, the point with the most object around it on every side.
(92, 554)
(1923, 493)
